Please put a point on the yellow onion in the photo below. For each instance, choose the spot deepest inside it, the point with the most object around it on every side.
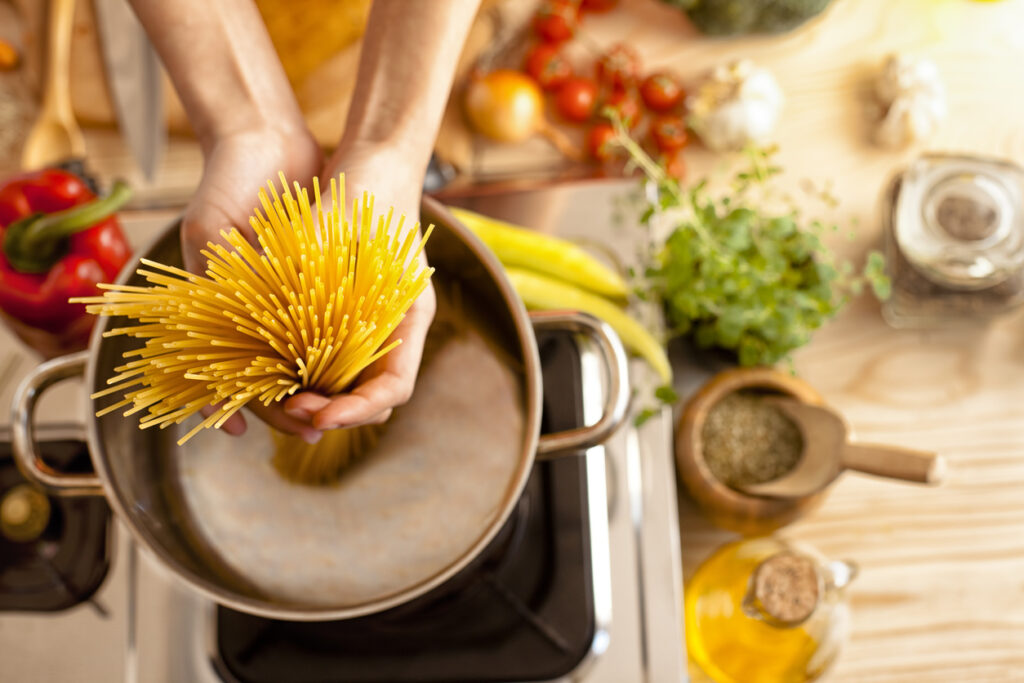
(507, 106)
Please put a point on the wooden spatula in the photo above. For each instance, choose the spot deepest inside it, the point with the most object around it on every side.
(55, 137)
(827, 452)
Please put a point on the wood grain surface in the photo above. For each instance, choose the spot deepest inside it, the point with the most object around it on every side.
(941, 592)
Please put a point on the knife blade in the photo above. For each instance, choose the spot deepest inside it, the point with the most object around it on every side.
(135, 79)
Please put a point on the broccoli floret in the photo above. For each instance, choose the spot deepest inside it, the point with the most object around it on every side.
(736, 17)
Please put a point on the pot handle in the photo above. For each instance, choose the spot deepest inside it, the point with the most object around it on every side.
(26, 450)
(616, 401)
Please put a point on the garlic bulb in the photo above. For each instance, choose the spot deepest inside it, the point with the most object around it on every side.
(739, 104)
(913, 100)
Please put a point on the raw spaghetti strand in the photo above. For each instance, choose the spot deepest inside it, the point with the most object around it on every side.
(307, 310)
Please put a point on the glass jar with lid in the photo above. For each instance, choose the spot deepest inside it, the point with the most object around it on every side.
(954, 231)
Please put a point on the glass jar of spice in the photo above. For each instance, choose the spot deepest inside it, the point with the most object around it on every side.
(954, 233)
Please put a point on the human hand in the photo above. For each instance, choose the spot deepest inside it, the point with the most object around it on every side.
(389, 382)
(237, 167)
(225, 69)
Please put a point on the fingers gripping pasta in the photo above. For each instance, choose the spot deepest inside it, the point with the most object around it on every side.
(308, 309)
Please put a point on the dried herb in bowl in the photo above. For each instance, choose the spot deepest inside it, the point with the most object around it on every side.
(746, 440)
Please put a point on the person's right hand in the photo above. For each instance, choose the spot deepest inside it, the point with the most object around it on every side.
(237, 166)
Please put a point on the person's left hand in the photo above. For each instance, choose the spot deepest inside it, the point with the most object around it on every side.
(389, 382)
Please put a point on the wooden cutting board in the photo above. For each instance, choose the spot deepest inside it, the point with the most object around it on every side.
(318, 41)
(306, 33)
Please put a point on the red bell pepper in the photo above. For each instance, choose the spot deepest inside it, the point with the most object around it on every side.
(57, 241)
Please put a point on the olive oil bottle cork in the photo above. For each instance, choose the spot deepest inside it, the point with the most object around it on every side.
(785, 588)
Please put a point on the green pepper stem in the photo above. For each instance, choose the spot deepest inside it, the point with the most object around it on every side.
(33, 244)
(65, 223)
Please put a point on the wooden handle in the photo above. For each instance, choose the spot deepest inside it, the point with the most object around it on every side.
(895, 463)
(55, 137)
(56, 92)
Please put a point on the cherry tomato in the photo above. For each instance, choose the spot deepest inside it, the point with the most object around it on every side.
(556, 20)
(619, 66)
(576, 99)
(626, 105)
(599, 145)
(598, 5)
(661, 92)
(669, 133)
(674, 164)
(546, 65)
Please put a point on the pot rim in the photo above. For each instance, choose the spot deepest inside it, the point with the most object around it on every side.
(532, 389)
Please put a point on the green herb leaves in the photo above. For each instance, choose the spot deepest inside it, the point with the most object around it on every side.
(736, 272)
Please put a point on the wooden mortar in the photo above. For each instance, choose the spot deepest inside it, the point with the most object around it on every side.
(726, 507)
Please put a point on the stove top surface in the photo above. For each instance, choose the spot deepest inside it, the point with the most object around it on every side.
(66, 563)
(152, 629)
(523, 611)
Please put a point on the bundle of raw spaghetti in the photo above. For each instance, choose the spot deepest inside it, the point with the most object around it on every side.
(307, 310)
(324, 461)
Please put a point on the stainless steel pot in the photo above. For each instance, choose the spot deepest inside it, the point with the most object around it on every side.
(399, 525)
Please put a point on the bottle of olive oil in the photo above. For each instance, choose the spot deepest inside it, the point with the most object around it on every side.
(765, 611)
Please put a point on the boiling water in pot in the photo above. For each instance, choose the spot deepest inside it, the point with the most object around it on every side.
(407, 510)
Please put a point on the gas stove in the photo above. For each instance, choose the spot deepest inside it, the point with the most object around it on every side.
(54, 552)
(583, 584)
(531, 607)
(63, 597)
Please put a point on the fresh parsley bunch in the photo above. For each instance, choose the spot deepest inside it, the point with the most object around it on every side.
(737, 275)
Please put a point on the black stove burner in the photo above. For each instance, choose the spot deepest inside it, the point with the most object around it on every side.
(522, 612)
(67, 563)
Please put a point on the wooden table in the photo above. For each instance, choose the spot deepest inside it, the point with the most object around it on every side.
(941, 593)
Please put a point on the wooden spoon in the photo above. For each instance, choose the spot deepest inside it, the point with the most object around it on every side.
(55, 136)
(827, 453)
